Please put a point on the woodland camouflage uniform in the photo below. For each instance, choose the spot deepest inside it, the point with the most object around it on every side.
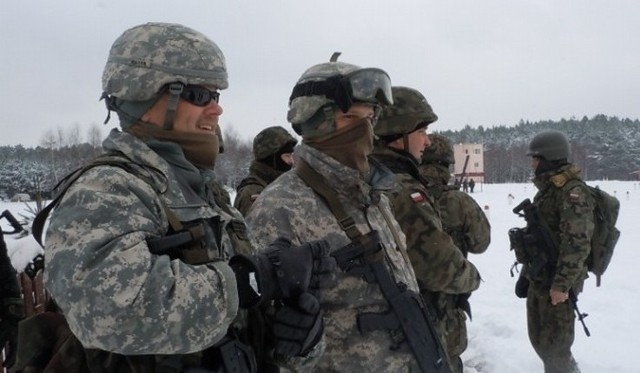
(568, 213)
(439, 265)
(267, 145)
(464, 221)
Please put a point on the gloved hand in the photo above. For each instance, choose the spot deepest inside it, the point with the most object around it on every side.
(522, 287)
(11, 313)
(296, 326)
(282, 271)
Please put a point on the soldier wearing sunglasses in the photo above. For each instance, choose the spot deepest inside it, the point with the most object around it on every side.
(148, 268)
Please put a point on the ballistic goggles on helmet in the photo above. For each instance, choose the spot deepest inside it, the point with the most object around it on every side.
(364, 85)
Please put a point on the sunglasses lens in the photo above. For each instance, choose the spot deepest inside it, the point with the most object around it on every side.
(199, 96)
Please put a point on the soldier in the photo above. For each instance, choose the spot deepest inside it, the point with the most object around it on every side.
(440, 267)
(273, 155)
(566, 207)
(463, 219)
(334, 195)
(138, 247)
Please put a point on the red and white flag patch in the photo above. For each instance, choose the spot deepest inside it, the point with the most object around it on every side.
(417, 197)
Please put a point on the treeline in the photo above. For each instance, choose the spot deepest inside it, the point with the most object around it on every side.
(604, 147)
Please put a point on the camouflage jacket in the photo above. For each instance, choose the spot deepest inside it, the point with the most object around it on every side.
(569, 216)
(114, 293)
(260, 175)
(461, 216)
(288, 207)
(439, 265)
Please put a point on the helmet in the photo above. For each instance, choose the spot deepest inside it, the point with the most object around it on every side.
(551, 145)
(270, 140)
(440, 151)
(337, 83)
(147, 57)
(409, 112)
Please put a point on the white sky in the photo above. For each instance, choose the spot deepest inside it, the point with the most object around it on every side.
(498, 340)
(484, 62)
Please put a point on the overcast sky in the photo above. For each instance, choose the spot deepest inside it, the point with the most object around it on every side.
(489, 62)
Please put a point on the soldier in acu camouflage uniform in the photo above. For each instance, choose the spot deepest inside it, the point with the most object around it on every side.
(440, 266)
(464, 221)
(566, 207)
(273, 155)
(334, 106)
(138, 246)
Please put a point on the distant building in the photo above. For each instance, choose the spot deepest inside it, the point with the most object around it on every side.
(475, 166)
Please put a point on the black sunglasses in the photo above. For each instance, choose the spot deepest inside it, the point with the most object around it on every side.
(198, 95)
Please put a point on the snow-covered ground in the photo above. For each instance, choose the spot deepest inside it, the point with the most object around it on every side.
(498, 336)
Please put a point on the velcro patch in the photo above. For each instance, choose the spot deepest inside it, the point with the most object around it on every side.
(417, 197)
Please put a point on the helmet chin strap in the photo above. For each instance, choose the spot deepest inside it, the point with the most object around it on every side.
(175, 89)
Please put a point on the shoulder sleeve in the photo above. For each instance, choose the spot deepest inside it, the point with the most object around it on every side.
(575, 230)
(439, 265)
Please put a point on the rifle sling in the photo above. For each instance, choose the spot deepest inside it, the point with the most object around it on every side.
(407, 313)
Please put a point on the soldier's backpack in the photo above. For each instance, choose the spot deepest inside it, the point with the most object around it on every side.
(605, 234)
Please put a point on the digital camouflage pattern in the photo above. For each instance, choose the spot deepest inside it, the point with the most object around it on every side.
(260, 175)
(410, 111)
(114, 293)
(469, 229)
(303, 108)
(270, 140)
(569, 216)
(147, 57)
(290, 208)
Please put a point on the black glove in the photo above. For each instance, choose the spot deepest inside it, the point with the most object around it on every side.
(282, 271)
(11, 313)
(522, 287)
(296, 326)
(36, 265)
(462, 302)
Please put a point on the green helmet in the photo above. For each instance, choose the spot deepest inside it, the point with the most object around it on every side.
(336, 83)
(270, 140)
(410, 111)
(147, 57)
(440, 151)
(551, 145)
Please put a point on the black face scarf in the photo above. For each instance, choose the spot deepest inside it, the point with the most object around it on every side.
(547, 166)
(199, 149)
(349, 145)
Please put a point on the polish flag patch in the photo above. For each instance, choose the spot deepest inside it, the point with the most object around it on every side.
(417, 197)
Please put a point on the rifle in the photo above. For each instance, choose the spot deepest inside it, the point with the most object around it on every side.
(408, 319)
(464, 171)
(546, 255)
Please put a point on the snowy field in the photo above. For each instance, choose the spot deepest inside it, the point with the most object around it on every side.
(498, 336)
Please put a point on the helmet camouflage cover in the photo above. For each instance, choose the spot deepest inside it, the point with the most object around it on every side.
(337, 83)
(440, 150)
(270, 140)
(409, 112)
(551, 145)
(147, 57)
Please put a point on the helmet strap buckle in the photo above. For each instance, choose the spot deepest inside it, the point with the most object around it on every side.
(175, 89)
